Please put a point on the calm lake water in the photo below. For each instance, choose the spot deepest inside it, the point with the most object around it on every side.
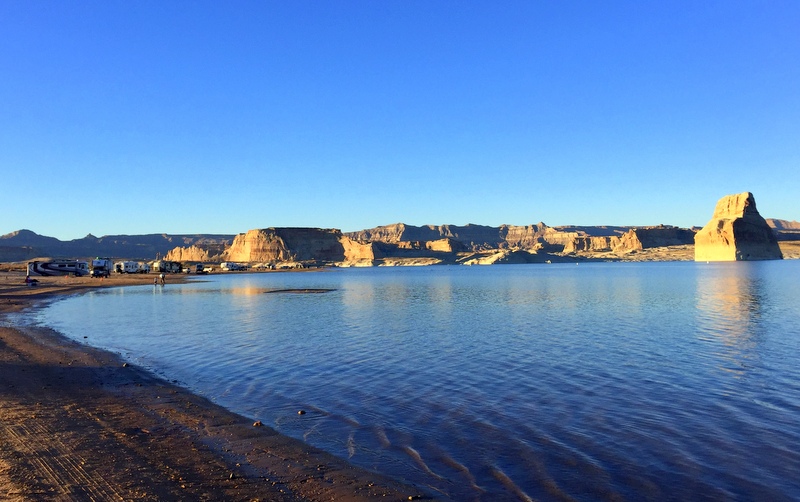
(592, 382)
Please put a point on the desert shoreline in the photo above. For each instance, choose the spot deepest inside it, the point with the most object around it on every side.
(77, 422)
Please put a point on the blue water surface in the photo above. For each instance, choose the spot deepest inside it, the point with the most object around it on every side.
(623, 381)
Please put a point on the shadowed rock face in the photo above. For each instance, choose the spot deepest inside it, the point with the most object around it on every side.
(635, 239)
(736, 232)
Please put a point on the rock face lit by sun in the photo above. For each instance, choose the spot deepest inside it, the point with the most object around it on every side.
(736, 232)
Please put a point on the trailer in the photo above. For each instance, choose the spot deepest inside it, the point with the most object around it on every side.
(126, 267)
(231, 266)
(58, 267)
(169, 267)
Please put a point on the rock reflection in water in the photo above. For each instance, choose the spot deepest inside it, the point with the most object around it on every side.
(731, 300)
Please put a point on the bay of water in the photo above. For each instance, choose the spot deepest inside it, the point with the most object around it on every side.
(623, 381)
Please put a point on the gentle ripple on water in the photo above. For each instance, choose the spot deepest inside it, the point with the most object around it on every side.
(596, 382)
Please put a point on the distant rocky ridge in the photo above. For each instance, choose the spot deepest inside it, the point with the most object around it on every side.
(25, 244)
(401, 244)
(635, 239)
(479, 237)
(396, 244)
(785, 230)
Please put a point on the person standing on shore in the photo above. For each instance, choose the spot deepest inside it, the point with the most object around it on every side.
(163, 278)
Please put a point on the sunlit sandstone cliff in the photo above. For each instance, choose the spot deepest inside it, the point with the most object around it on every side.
(191, 253)
(581, 243)
(402, 244)
(391, 245)
(473, 237)
(286, 244)
(736, 232)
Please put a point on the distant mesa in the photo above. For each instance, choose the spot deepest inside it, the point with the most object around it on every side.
(632, 241)
(736, 232)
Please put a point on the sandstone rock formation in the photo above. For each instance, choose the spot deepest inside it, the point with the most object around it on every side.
(783, 224)
(445, 245)
(589, 244)
(473, 236)
(191, 253)
(635, 239)
(736, 232)
(402, 244)
(785, 230)
(484, 238)
(656, 237)
(287, 244)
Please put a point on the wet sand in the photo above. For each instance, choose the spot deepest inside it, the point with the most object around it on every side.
(77, 423)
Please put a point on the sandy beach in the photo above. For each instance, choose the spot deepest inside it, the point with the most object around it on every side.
(78, 423)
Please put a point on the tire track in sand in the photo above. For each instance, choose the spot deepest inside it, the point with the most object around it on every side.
(56, 462)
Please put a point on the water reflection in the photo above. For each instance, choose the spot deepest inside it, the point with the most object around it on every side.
(604, 382)
(730, 301)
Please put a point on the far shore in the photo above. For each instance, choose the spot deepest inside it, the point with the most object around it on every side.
(77, 423)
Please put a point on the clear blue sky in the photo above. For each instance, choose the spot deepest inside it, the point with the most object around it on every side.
(218, 117)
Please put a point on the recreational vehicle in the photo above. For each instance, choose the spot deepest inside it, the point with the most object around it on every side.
(126, 267)
(170, 267)
(58, 267)
(101, 267)
(230, 266)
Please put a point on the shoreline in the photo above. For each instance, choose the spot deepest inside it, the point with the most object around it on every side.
(79, 422)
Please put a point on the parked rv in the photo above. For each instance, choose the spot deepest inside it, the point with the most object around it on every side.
(59, 267)
(144, 268)
(231, 267)
(126, 267)
(101, 267)
(170, 267)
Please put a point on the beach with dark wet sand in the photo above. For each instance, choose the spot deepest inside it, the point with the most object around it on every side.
(77, 423)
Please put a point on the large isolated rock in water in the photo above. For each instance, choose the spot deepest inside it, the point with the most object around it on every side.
(736, 232)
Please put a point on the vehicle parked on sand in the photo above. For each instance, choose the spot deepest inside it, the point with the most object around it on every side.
(101, 267)
(126, 267)
(99, 272)
(230, 266)
(59, 267)
(170, 267)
